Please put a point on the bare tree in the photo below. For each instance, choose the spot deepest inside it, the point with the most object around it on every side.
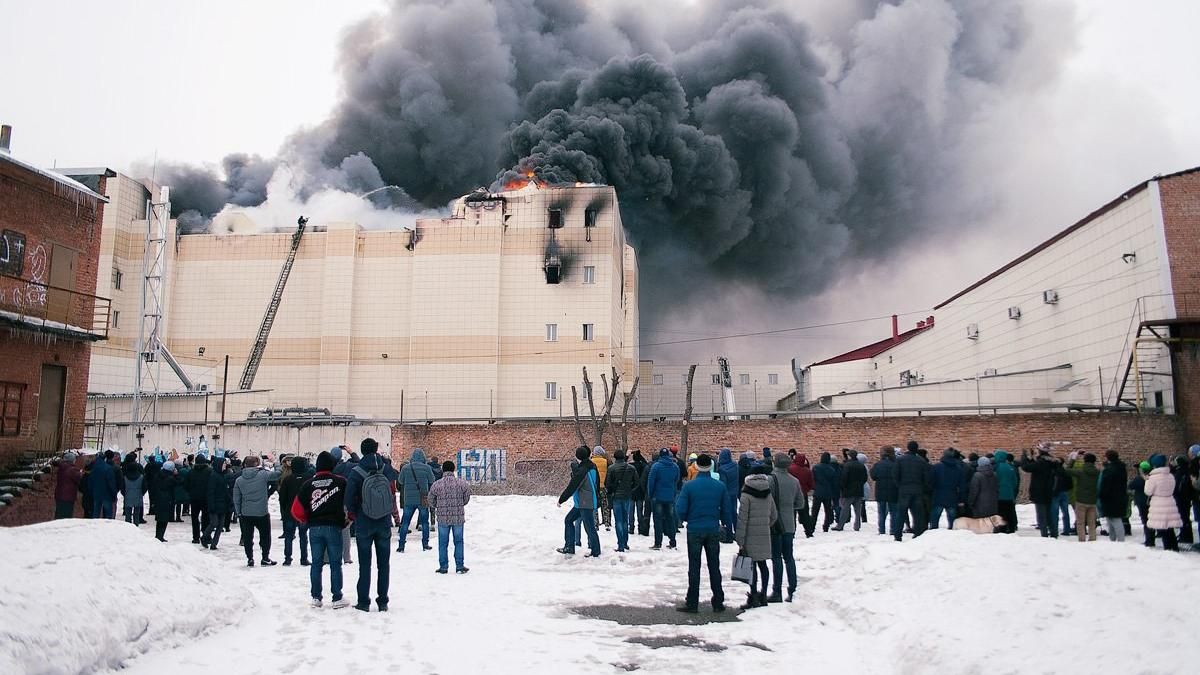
(575, 409)
(687, 413)
(587, 390)
(610, 397)
(629, 396)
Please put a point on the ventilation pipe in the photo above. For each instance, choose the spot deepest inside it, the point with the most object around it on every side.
(895, 328)
(5, 138)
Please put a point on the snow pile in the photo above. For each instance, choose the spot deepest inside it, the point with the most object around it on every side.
(84, 595)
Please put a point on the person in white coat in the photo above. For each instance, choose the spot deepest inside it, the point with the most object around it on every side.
(1164, 513)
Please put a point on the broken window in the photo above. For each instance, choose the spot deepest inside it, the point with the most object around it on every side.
(589, 274)
(555, 218)
(589, 218)
(589, 332)
(553, 269)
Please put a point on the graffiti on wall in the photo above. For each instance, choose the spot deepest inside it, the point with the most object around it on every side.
(12, 253)
(482, 465)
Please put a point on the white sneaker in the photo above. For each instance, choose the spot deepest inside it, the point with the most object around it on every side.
(316, 603)
(340, 604)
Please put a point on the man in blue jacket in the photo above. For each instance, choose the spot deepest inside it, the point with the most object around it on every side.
(703, 505)
(372, 532)
(415, 480)
(660, 490)
(825, 490)
(949, 488)
(727, 469)
(582, 489)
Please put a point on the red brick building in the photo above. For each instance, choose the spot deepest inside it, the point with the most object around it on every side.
(49, 315)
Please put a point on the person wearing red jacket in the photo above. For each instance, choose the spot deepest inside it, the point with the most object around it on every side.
(802, 470)
(321, 505)
(66, 487)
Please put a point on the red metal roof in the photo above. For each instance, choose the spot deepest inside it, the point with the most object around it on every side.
(875, 348)
(1086, 219)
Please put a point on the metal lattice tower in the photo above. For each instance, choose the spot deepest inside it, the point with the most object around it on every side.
(149, 340)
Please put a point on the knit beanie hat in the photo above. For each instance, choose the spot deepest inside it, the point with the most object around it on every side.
(325, 461)
(1158, 461)
(169, 466)
(862, 458)
(598, 450)
(582, 453)
(984, 461)
(336, 453)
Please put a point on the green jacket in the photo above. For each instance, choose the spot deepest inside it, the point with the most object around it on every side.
(1087, 481)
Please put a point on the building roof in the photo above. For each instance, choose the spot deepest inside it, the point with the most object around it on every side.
(875, 348)
(56, 177)
(1061, 235)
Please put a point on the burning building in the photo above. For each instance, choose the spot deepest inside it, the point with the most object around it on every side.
(489, 312)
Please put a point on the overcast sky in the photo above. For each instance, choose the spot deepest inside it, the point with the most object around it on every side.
(117, 82)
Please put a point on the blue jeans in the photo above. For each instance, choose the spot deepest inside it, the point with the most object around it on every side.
(621, 510)
(936, 515)
(781, 557)
(888, 510)
(378, 535)
(102, 508)
(1060, 503)
(422, 524)
(444, 532)
(663, 522)
(290, 527)
(326, 539)
(588, 516)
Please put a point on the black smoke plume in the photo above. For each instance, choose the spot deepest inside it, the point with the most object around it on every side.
(760, 146)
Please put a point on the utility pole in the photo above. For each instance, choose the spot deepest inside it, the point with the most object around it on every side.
(224, 393)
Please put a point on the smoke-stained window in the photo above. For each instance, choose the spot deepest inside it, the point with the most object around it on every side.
(589, 274)
(589, 218)
(554, 218)
(117, 277)
(716, 378)
(589, 332)
(551, 332)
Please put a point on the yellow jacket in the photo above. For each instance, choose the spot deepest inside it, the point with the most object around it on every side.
(601, 463)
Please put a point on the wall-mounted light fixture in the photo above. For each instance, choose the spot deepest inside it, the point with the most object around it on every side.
(1129, 258)
(200, 351)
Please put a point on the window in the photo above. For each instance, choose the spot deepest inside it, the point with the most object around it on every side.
(116, 319)
(551, 332)
(744, 378)
(11, 395)
(658, 379)
(716, 378)
(551, 391)
(555, 220)
(117, 276)
(773, 378)
(589, 332)
(589, 218)
(589, 274)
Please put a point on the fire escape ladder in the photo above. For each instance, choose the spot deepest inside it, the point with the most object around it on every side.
(264, 330)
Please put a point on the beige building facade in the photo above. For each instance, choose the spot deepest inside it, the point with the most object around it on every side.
(490, 312)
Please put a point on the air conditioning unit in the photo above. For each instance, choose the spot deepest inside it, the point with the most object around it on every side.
(203, 387)
(1050, 297)
(989, 372)
(908, 378)
(1014, 312)
(972, 331)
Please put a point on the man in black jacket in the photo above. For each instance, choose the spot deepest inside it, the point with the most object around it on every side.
(582, 490)
(887, 491)
(1041, 487)
(321, 506)
(638, 518)
(196, 484)
(621, 483)
(912, 479)
(289, 488)
(854, 477)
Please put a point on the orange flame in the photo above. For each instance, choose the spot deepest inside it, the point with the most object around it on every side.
(518, 183)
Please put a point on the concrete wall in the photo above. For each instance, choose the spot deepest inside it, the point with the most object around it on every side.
(248, 439)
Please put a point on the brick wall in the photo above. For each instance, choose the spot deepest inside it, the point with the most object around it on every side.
(1181, 218)
(1135, 437)
(47, 213)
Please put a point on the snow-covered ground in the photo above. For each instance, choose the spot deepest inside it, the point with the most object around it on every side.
(84, 596)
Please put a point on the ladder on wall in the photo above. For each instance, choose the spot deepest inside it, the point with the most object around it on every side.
(264, 330)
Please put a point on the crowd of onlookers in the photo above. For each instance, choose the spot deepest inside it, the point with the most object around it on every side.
(762, 500)
(340, 496)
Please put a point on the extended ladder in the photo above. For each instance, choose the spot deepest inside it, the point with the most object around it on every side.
(264, 330)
